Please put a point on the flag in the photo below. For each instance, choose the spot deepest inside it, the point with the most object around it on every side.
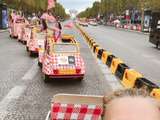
(51, 4)
(69, 25)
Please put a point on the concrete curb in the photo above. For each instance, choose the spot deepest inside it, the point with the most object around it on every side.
(122, 29)
(1, 31)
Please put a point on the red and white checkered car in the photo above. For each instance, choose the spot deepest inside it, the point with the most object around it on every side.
(76, 107)
(41, 46)
(63, 61)
(32, 43)
(15, 27)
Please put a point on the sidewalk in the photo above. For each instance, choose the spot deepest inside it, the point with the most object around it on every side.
(3, 30)
(129, 30)
(145, 33)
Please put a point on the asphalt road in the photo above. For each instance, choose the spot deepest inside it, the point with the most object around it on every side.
(24, 95)
(133, 48)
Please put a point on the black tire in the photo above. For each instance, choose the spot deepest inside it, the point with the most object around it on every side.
(31, 54)
(80, 79)
(24, 42)
(27, 49)
(10, 36)
(157, 45)
(40, 64)
(46, 78)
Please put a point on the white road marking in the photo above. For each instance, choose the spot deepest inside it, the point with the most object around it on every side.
(30, 74)
(14, 94)
(111, 79)
(17, 91)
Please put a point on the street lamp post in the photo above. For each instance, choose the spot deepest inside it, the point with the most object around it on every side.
(142, 13)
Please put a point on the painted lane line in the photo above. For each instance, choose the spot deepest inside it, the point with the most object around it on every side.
(14, 94)
(31, 73)
(17, 91)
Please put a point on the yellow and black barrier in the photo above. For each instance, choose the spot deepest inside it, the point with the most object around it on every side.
(109, 60)
(93, 43)
(155, 93)
(130, 77)
(97, 50)
(95, 46)
(145, 83)
(100, 53)
(105, 56)
(120, 70)
(114, 64)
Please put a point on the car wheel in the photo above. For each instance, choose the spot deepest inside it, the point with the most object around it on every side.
(46, 78)
(10, 36)
(24, 42)
(27, 49)
(39, 64)
(157, 45)
(80, 78)
(31, 54)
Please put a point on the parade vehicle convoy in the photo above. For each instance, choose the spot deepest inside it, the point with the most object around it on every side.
(62, 60)
(154, 37)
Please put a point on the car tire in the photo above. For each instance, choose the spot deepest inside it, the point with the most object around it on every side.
(80, 78)
(157, 45)
(40, 64)
(24, 42)
(10, 36)
(46, 78)
(27, 49)
(31, 54)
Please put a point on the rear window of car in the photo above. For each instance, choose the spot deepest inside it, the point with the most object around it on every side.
(65, 48)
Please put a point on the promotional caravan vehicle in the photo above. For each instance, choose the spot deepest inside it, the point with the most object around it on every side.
(24, 32)
(62, 60)
(32, 43)
(15, 27)
(66, 38)
(155, 29)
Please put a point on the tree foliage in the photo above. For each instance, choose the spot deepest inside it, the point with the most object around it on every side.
(117, 7)
(30, 6)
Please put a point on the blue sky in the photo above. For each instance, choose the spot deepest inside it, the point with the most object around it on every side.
(76, 4)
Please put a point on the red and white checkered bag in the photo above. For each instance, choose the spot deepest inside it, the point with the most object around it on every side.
(61, 111)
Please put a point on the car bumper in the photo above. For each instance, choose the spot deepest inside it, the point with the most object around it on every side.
(67, 76)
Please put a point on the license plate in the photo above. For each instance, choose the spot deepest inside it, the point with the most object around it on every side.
(67, 71)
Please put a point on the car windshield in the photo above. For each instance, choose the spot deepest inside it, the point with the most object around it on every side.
(65, 48)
